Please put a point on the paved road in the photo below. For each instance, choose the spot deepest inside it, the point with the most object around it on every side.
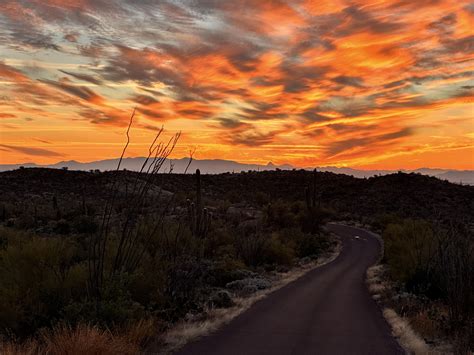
(326, 311)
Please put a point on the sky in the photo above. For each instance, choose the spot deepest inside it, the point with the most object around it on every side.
(362, 83)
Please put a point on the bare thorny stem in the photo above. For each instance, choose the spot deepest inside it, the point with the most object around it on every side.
(133, 240)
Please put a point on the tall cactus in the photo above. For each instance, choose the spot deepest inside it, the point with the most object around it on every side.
(311, 195)
(84, 205)
(313, 204)
(199, 217)
(56, 209)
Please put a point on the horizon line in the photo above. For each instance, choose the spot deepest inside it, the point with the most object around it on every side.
(242, 163)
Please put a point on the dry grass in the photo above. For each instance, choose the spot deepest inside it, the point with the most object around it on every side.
(407, 336)
(141, 332)
(375, 281)
(426, 325)
(84, 339)
(381, 289)
(185, 332)
(29, 347)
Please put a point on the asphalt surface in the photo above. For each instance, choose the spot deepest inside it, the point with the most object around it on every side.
(326, 311)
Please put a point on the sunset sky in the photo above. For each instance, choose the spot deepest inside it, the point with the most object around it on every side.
(366, 84)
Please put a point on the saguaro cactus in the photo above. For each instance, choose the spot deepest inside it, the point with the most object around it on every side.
(313, 204)
(84, 205)
(56, 207)
(199, 217)
(311, 195)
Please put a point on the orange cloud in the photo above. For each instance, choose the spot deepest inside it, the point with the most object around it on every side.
(365, 83)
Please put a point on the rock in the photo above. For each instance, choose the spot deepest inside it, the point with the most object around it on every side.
(221, 299)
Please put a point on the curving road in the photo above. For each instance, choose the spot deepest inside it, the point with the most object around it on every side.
(326, 311)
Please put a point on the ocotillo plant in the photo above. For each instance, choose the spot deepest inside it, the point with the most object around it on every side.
(132, 242)
(199, 217)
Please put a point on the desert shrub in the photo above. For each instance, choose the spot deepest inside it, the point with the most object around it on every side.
(183, 288)
(311, 245)
(454, 263)
(437, 263)
(250, 245)
(304, 244)
(62, 227)
(262, 198)
(39, 277)
(233, 196)
(218, 243)
(225, 270)
(381, 221)
(409, 251)
(85, 224)
(278, 252)
(311, 220)
(25, 220)
(281, 214)
(117, 306)
(3, 212)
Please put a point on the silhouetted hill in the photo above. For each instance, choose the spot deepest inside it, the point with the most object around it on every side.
(406, 195)
(220, 166)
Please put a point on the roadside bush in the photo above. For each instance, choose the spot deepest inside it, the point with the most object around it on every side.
(278, 252)
(409, 251)
(39, 277)
(381, 221)
(226, 270)
(438, 264)
(249, 246)
(311, 245)
(454, 271)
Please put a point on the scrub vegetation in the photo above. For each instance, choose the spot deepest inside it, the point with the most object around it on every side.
(124, 256)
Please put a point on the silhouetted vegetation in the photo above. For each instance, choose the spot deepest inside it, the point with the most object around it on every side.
(435, 262)
(115, 248)
(169, 245)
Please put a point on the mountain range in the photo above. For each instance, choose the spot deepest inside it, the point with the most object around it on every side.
(219, 166)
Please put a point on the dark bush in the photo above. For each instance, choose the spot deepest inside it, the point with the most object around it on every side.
(85, 224)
